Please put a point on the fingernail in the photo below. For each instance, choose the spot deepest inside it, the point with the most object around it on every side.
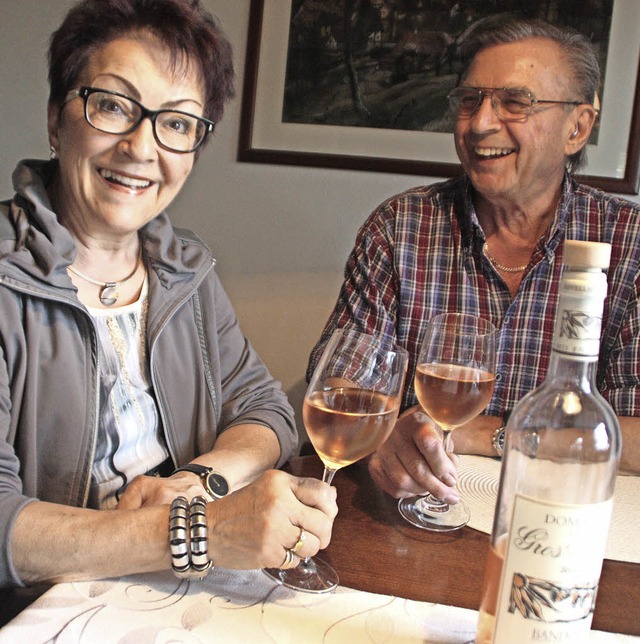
(448, 479)
(451, 498)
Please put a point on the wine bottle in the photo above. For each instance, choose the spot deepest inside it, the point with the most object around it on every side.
(562, 449)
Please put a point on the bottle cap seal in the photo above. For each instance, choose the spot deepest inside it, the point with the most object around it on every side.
(586, 254)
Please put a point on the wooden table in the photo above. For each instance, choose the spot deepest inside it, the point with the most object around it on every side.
(374, 549)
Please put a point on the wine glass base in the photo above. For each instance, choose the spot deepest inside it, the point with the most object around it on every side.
(309, 576)
(453, 517)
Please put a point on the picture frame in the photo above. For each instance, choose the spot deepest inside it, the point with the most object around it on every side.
(613, 162)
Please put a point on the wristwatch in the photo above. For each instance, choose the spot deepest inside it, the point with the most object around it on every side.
(498, 440)
(498, 435)
(213, 482)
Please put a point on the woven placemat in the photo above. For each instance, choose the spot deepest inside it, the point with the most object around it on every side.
(478, 479)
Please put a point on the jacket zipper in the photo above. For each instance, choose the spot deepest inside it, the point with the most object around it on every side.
(157, 391)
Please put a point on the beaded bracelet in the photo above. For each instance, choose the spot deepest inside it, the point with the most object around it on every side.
(188, 538)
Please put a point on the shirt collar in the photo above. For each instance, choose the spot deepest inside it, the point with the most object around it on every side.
(556, 229)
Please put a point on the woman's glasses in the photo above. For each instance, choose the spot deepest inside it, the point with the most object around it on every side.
(115, 113)
(509, 103)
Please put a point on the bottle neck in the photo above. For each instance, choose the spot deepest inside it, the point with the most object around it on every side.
(576, 336)
(572, 371)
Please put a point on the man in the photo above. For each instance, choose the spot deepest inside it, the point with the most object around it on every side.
(490, 243)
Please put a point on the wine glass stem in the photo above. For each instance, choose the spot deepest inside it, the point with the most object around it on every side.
(327, 475)
(448, 448)
(447, 441)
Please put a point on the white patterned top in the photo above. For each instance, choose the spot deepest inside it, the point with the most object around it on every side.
(130, 440)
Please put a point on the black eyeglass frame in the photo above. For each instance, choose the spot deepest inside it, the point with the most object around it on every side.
(484, 92)
(85, 91)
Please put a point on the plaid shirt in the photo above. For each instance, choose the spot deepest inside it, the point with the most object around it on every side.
(421, 253)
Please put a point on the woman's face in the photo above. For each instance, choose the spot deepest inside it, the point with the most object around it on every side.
(110, 185)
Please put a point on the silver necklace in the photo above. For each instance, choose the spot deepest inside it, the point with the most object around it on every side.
(109, 293)
(502, 267)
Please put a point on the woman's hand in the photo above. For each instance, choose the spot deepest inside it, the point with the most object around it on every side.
(241, 453)
(413, 460)
(249, 528)
(154, 490)
(254, 526)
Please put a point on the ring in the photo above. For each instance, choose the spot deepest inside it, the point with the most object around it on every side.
(301, 539)
(288, 558)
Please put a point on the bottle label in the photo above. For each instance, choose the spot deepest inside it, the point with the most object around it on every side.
(551, 570)
(579, 314)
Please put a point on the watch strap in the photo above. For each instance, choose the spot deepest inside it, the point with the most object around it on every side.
(194, 468)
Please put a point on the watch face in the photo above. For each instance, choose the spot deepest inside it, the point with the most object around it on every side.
(216, 485)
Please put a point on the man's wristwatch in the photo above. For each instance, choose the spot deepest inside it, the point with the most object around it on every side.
(498, 440)
(498, 435)
(213, 482)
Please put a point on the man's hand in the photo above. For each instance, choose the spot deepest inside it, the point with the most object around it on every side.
(413, 461)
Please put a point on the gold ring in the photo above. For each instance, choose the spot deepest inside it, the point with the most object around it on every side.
(288, 558)
(299, 543)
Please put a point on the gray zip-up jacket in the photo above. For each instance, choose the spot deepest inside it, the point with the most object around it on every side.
(206, 376)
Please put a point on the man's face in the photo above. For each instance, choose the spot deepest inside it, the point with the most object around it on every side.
(518, 163)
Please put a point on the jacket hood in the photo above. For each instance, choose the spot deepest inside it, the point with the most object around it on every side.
(32, 242)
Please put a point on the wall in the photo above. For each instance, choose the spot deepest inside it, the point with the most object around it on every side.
(281, 234)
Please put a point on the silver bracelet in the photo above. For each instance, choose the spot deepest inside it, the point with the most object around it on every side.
(198, 546)
(188, 538)
(178, 522)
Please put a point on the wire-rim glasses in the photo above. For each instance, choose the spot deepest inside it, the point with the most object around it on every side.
(115, 113)
(509, 103)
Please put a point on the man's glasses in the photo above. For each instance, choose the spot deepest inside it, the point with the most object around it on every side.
(115, 113)
(509, 103)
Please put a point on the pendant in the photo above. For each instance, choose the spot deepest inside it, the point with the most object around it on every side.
(109, 294)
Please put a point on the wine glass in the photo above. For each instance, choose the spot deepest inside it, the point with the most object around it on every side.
(454, 379)
(349, 409)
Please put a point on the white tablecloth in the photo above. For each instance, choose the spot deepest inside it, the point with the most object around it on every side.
(235, 607)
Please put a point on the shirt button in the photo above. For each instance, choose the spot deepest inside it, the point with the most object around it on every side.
(498, 377)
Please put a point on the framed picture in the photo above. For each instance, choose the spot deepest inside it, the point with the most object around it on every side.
(363, 85)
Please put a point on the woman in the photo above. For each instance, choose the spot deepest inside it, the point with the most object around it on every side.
(120, 352)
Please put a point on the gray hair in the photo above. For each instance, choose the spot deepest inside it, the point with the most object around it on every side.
(579, 51)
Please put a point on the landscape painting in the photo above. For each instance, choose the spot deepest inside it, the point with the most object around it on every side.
(363, 84)
(391, 63)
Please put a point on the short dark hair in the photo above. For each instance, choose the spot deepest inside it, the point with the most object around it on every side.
(580, 53)
(190, 33)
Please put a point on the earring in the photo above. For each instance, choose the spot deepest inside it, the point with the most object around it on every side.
(53, 154)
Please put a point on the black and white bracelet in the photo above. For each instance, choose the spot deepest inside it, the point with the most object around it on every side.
(200, 561)
(178, 524)
(188, 538)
